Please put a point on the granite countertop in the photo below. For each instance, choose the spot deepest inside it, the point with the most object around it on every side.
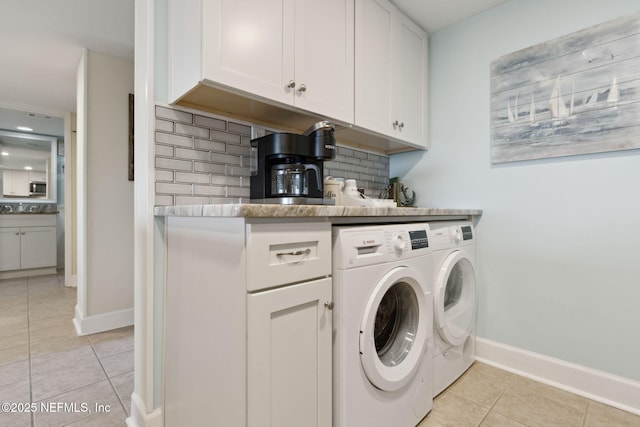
(249, 210)
(29, 213)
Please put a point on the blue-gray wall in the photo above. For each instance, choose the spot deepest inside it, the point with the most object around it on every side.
(558, 254)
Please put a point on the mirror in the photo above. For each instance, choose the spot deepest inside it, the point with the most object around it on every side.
(28, 160)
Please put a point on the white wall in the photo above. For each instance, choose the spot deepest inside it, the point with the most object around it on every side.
(109, 191)
(559, 241)
(105, 224)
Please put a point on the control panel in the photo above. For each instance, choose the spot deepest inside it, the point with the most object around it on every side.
(419, 239)
(376, 244)
(450, 235)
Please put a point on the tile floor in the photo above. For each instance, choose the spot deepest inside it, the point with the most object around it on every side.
(489, 397)
(43, 361)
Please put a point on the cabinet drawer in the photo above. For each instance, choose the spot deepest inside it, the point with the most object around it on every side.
(278, 254)
(28, 220)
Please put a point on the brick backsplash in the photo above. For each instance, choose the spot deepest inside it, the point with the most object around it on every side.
(204, 159)
(371, 171)
(200, 159)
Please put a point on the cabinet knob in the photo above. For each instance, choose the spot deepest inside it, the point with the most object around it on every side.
(291, 84)
(302, 88)
(401, 125)
(395, 124)
(329, 304)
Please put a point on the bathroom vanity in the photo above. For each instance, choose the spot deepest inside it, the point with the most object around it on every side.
(27, 244)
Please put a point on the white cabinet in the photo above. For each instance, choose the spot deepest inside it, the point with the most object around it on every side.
(28, 242)
(15, 183)
(289, 356)
(37, 176)
(37, 247)
(324, 57)
(9, 248)
(391, 76)
(248, 323)
(292, 52)
(289, 337)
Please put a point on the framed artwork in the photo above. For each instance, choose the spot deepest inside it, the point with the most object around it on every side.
(131, 139)
(576, 94)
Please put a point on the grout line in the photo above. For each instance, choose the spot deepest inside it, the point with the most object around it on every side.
(512, 376)
(586, 413)
(493, 405)
(58, 283)
(31, 415)
(113, 387)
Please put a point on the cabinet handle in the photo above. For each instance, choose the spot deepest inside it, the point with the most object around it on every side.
(17, 234)
(329, 304)
(395, 124)
(295, 253)
(291, 84)
(401, 125)
(23, 233)
(302, 88)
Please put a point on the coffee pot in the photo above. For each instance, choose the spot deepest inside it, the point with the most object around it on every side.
(287, 168)
(293, 179)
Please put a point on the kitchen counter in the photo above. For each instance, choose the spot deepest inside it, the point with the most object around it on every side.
(29, 213)
(334, 214)
(27, 208)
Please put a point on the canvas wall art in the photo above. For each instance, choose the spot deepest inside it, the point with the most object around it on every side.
(576, 94)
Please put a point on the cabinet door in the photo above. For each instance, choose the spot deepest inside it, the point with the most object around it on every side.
(391, 73)
(7, 182)
(21, 183)
(38, 247)
(409, 95)
(289, 356)
(37, 176)
(324, 57)
(9, 248)
(248, 45)
(15, 183)
(373, 61)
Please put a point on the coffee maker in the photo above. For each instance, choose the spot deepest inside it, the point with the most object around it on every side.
(287, 168)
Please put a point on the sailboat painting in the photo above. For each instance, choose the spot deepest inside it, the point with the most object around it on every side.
(576, 94)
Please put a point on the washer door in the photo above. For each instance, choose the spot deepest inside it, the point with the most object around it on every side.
(455, 298)
(393, 331)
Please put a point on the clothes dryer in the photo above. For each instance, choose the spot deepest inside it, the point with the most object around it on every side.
(383, 324)
(454, 297)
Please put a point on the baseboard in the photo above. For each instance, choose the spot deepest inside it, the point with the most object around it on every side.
(31, 272)
(139, 416)
(87, 325)
(73, 281)
(612, 390)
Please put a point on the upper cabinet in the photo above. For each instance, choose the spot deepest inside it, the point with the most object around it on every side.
(290, 63)
(298, 53)
(390, 73)
(15, 183)
(324, 57)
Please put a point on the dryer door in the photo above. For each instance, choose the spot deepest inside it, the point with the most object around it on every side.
(395, 325)
(455, 298)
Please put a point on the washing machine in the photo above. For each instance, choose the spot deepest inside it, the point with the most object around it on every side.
(382, 324)
(454, 298)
